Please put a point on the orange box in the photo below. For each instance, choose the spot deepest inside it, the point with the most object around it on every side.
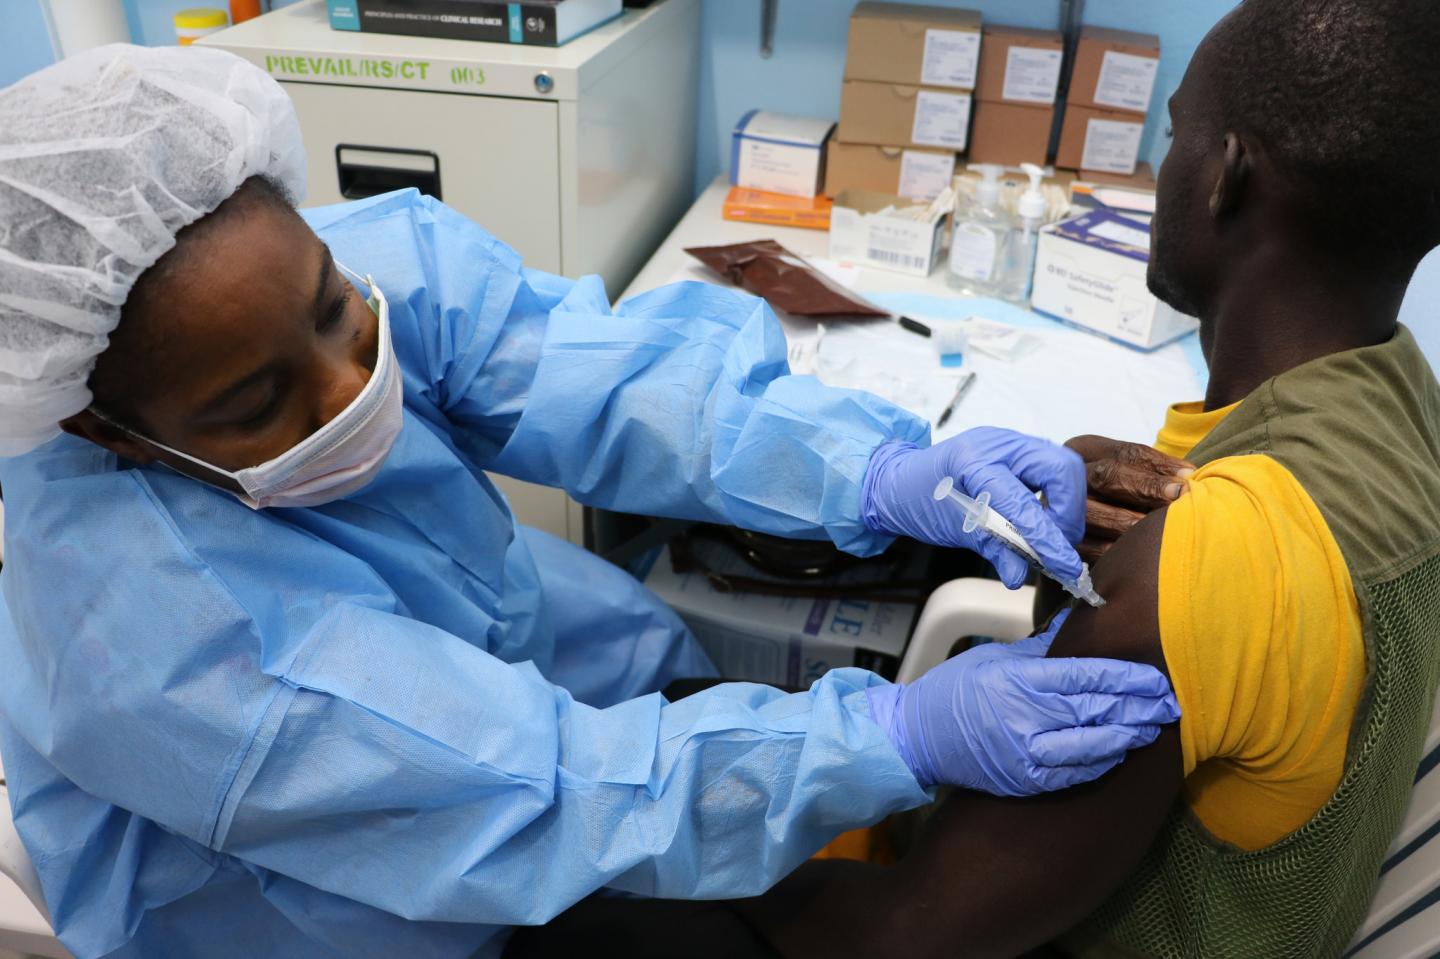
(777, 209)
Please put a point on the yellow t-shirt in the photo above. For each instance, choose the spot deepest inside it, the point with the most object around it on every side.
(1263, 639)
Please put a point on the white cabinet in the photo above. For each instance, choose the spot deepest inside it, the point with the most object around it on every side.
(581, 157)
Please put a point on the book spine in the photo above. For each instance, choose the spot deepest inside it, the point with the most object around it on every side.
(494, 22)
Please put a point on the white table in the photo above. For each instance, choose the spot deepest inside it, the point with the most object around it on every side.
(1085, 385)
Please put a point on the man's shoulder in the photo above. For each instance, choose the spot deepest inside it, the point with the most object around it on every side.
(1360, 433)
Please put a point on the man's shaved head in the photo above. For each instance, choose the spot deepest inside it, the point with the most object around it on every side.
(1345, 96)
(1309, 131)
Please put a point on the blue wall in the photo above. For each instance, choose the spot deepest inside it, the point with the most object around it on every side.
(24, 40)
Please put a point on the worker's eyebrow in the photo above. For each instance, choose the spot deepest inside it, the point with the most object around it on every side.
(317, 309)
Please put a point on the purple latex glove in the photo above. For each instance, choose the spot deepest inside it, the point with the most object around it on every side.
(1003, 719)
(898, 496)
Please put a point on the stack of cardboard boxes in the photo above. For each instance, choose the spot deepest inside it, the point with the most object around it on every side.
(1110, 89)
(905, 107)
(1015, 95)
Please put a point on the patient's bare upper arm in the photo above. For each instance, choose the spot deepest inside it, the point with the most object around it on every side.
(992, 876)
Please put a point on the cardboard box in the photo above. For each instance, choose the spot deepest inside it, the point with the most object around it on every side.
(1010, 133)
(1019, 65)
(1102, 140)
(782, 640)
(756, 206)
(910, 43)
(861, 233)
(779, 154)
(917, 174)
(1090, 273)
(897, 113)
(1114, 70)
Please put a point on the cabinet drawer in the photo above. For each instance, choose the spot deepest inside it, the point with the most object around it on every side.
(497, 160)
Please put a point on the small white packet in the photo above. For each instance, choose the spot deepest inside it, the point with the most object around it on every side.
(999, 340)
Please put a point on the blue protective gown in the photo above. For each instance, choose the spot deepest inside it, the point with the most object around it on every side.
(398, 723)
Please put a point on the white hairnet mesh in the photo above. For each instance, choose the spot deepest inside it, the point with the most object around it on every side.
(104, 157)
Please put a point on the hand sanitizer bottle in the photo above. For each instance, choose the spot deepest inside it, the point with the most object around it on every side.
(978, 243)
(1017, 275)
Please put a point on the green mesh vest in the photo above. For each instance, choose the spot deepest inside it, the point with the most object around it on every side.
(1360, 431)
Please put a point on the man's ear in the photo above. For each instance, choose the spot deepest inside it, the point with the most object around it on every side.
(88, 426)
(1234, 178)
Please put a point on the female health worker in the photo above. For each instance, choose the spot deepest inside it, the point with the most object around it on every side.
(283, 677)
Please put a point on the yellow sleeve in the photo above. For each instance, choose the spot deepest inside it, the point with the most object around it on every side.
(1263, 639)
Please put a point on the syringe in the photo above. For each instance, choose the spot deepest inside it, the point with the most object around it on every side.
(979, 514)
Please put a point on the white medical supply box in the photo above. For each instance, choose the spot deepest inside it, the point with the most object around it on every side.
(1090, 273)
(581, 157)
(779, 154)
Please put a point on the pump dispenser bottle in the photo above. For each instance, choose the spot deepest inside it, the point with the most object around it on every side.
(978, 244)
(1017, 274)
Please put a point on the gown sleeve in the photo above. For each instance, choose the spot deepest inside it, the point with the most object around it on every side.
(678, 402)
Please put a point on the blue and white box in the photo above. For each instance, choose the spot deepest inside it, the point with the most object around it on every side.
(1090, 273)
(779, 154)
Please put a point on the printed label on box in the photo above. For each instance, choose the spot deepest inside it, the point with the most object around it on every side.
(1031, 75)
(1111, 146)
(1126, 81)
(924, 175)
(900, 244)
(951, 58)
(941, 119)
(778, 167)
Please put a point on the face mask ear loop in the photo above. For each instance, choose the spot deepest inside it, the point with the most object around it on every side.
(369, 283)
(161, 446)
(208, 467)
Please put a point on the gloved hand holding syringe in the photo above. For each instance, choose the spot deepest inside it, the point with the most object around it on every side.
(978, 514)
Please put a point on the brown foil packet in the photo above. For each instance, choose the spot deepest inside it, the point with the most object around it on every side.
(783, 279)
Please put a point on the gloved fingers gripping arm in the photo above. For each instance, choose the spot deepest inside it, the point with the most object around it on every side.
(1002, 720)
(898, 499)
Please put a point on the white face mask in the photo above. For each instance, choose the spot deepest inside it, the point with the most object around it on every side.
(341, 456)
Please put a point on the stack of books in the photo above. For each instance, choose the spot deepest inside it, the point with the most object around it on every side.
(544, 23)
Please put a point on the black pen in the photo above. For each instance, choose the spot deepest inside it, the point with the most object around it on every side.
(966, 381)
(914, 326)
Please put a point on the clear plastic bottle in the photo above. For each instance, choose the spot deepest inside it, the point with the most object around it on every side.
(1017, 273)
(978, 244)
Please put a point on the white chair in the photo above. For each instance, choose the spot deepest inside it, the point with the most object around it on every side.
(24, 920)
(961, 609)
(1404, 917)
